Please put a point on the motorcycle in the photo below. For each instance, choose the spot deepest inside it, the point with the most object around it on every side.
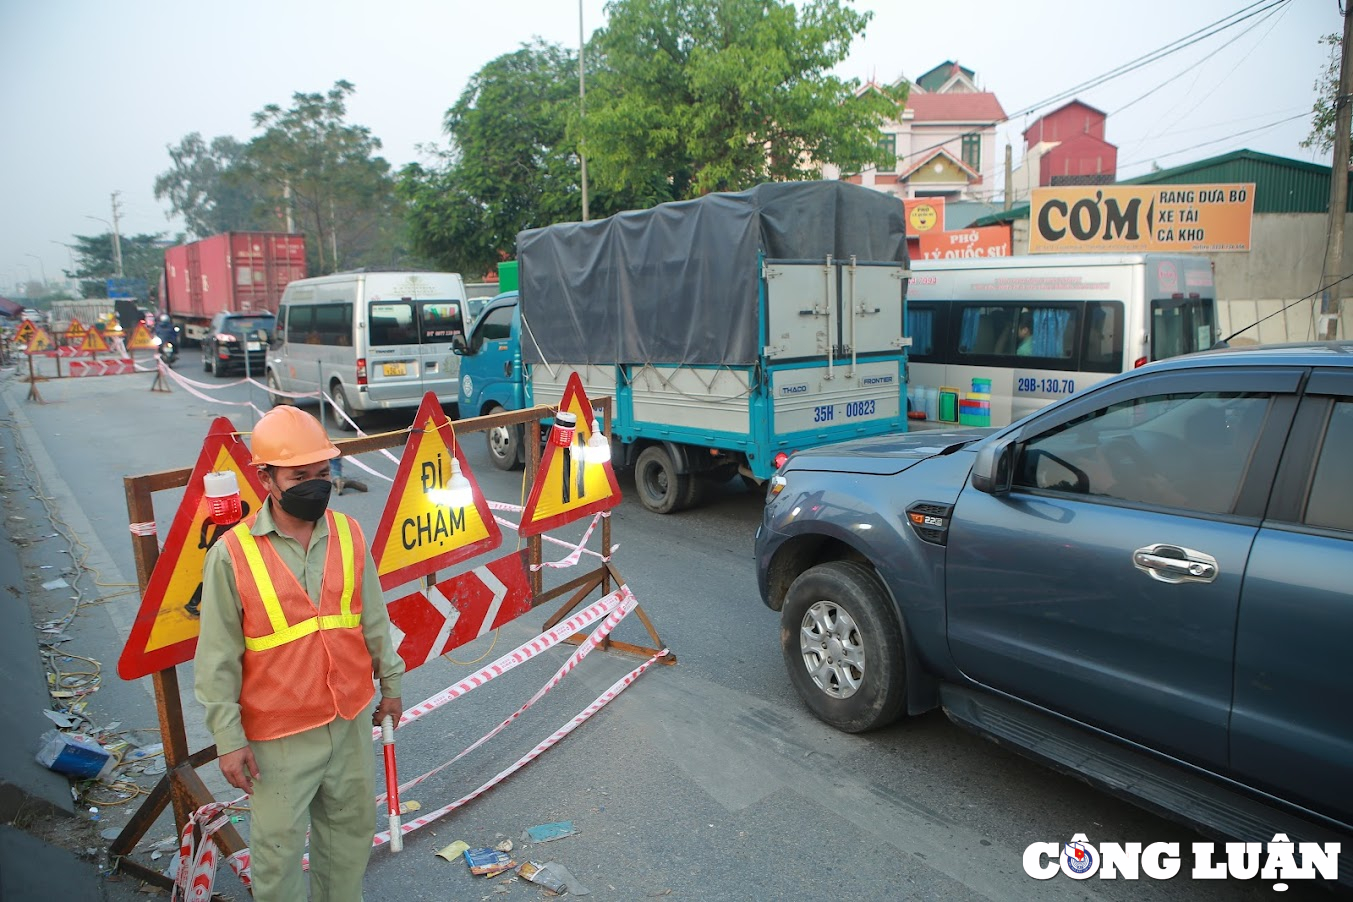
(169, 349)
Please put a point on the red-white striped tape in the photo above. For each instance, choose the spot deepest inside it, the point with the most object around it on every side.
(601, 701)
(518, 655)
(598, 635)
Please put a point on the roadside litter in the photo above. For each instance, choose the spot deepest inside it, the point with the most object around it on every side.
(549, 832)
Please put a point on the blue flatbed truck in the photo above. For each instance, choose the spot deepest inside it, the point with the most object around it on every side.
(730, 330)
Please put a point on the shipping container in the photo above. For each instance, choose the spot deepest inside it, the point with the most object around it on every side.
(243, 272)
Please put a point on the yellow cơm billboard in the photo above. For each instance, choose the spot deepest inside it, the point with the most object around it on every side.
(1141, 218)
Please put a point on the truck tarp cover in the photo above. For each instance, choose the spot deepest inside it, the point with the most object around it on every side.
(678, 283)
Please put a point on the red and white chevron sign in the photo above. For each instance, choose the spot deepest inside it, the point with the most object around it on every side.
(460, 609)
(110, 367)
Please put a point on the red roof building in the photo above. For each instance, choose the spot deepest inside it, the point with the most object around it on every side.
(944, 142)
(1066, 147)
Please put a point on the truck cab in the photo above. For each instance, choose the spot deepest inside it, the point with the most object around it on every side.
(491, 375)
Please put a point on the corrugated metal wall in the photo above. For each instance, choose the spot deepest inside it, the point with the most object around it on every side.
(1281, 185)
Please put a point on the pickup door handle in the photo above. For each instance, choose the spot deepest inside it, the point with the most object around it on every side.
(1175, 564)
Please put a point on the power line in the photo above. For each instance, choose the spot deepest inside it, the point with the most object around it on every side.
(1248, 131)
(1175, 46)
(1194, 65)
(1158, 54)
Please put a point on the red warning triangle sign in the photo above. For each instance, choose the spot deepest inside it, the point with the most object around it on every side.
(140, 340)
(568, 486)
(165, 631)
(93, 341)
(419, 533)
(25, 330)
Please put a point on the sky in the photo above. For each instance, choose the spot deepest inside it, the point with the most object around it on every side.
(93, 93)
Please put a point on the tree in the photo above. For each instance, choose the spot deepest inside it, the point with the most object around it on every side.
(309, 159)
(714, 95)
(511, 164)
(142, 258)
(212, 189)
(1323, 111)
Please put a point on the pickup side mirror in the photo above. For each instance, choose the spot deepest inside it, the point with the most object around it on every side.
(994, 469)
(458, 346)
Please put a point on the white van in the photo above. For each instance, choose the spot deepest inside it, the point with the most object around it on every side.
(371, 340)
(996, 338)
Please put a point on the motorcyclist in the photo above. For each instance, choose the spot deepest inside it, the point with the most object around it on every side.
(165, 330)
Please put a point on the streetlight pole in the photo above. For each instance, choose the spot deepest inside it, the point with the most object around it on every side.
(582, 109)
(42, 268)
(117, 243)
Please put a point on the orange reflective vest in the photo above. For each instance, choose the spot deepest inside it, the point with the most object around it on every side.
(303, 665)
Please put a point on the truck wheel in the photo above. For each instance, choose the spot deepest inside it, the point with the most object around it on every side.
(843, 646)
(661, 489)
(345, 424)
(274, 386)
(505, 444)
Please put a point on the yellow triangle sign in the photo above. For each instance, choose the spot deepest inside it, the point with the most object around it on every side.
(25, 330)
(41, 341)
(419, 532)
(75, 332)
(164, 633)
(141, 339)
(93, 341)
(568, 486)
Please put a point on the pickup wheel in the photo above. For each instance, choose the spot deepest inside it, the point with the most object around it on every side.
(843, 647)
(505, 443)
(661, 489)
(206, 359)
(216, 369)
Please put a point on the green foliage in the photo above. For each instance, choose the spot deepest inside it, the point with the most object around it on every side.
(696, 96)
(327, 171)
(212, 189)
(142, 258)
(307, 159)
(512, 164)
(1323, 111)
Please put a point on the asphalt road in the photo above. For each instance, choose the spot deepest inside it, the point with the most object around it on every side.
(705, 780)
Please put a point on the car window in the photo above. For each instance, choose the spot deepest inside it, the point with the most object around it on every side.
(1178, 450)
(496, 326)
(1331, 495)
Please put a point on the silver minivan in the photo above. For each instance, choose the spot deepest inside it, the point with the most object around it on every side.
(371, 340)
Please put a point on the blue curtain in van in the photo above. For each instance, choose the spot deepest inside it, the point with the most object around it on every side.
(921, 329)
(1050, 332)
(967, 336)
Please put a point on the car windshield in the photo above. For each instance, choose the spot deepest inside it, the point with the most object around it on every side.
(248, 325)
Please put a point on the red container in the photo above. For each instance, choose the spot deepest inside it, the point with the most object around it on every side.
(243, 272)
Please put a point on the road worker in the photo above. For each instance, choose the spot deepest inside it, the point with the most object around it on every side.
(293, 632)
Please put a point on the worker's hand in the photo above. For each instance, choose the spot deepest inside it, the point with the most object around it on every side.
(240, 769)
(389, 707)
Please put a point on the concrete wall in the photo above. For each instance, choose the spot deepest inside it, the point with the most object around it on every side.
(1287, 251)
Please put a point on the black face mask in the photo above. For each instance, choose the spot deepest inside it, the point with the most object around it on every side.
(307, 500)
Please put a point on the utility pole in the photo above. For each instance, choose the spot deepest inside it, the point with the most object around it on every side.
(1334, 248)
(1009, 174)
(117, 239)
(582, 109)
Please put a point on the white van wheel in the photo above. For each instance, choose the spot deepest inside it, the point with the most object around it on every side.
(345, 423)
(274, 386)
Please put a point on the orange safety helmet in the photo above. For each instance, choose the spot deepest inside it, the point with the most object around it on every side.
(288, 437)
